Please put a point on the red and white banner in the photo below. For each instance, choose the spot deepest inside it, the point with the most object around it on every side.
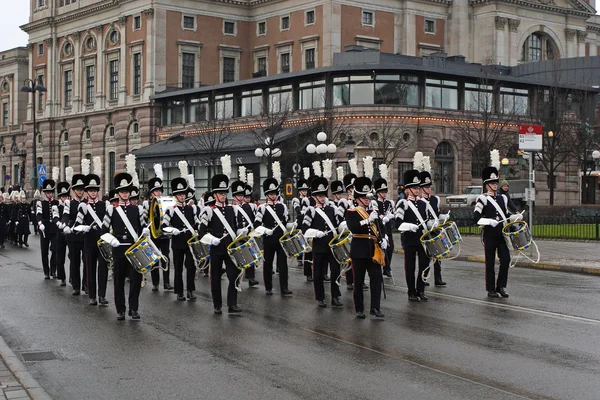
(530, 137)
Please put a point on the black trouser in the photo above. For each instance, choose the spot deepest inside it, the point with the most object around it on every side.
(96, 266)
(250, 272)
(350, 277)
(2, 230)
(437, 271)
(122, 269)
(410, 267)
(389, 252)
(216, 263)
(75, 255)
(163, 246)
(492, 243)
(183, 257)
(270, 250)
(320, 262)
(361, 266)
(307, 263)
(61, 254)
(48, 242)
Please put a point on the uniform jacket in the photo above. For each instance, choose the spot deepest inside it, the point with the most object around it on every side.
(211, 223)
(44, 215)
(69, 217)
(84, 217)
(404, 213)
(264, 218)
(360, 248)
(312, 219)
(179, 242)
(114, 223)
(485, 209)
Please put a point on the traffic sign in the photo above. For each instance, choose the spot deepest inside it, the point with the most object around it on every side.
(7, 177)
(296, 168)
(530, 137)
(289, 190)
(41, 180)
(41, 169)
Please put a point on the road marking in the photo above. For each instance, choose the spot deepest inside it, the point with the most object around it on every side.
(434, 367)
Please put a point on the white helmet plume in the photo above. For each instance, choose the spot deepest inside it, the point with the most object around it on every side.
(340, 173)
(383, 171)
(69, 174)
(250, 178)
(98, 165)
(353, 166)
(226, 164)
(306, 172)
(191, 181)
(183, 168)
(277, 171)
(242, 173)
(418, 161)
(158, 171)
(327, 168)
(495, 159)
(85, 166)
(317, 167)
(426, 164)
(55, 173)
(368, 166)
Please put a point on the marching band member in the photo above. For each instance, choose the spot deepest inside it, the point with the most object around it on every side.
(121, 221)
(272, 215)
(386, 213)
(491, 212)
(179, 217)
(323, 219)
(219, 220)
(432, 214)
(409, 220)
(155, 190)
(36, 197)
(364, 248)
(43, 215)
(67, 219)
(14, 205)
(63, 189)
(4, 217)
(348, 204)
(299, 206)
(22, 220)
(244, 219)
(91, 216)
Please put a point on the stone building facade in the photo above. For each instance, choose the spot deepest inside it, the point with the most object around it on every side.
(101, 60)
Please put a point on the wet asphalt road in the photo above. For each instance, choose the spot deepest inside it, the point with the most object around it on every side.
(541, 343)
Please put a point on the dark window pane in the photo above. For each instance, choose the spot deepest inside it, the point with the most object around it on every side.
(188, 70)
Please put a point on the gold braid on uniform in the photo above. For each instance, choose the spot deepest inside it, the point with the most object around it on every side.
(378, 254)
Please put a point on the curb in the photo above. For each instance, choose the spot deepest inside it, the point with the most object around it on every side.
(530, 265)
(18, 369)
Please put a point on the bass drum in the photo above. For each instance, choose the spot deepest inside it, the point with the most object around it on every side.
(157, 211)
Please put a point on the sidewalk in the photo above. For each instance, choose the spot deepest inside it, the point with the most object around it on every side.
(557, 255)
(15, 382)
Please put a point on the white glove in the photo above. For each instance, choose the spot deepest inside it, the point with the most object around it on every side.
(269, 232)
(115, 243)
(515, 217)
(384, 244)
(387, 218)
(444, 218)
(146, 232)
(215, 242)
(295, 203)
(17, 223)
(493, 223)
(41, 227)
(414, 227)
(373, 216)
(67, 230)
(85, 228)
(430, 224)
(242, 231)
(59, 225)
(320, 234)
(176, 232)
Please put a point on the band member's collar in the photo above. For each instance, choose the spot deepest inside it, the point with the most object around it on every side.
(493, 194)
(92, 201)
(411, 198)
(237, 203)
(220, 205)
(425, 196)
(272, 203)
(178, 204)
(124, 203)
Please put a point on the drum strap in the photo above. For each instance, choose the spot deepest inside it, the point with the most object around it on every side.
(326, 218)
(241, 210)
(224, 222)
(497, 207)
(94, 216)
(275, 217)
(127, 223)
(184, 219)
(430, 209)
(417, 213)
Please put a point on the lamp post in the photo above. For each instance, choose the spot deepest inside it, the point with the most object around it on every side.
(268, 152)
(33, 86)
(505, 167)
(321, 148)
(349, 145)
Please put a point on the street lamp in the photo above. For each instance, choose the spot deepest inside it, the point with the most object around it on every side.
(505, 167)
(349, 145)
(321, 148)
(268, 152)
(33, 86)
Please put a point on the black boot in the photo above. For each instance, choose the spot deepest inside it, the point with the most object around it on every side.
(180, 297)
(376, 313)
(252, 282)
(360, 314)
(502, 292)
(413, 297)
(103, 301)
(135, 315)
(121, 316)
(93, 302)
(493, 295)
(422, 296)
(190, 295)
(335, 302)
(234, 310)
(322, 304)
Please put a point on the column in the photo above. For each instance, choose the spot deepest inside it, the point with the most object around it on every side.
(123, 61)
(332, 28)
(77, 96)
(31, 74)
(500, 43)
(581, 35)
(458, 39)
(570, 44)
(50, 79)
(100, 68)
(149, 55)
(513, 53)
(409, 42)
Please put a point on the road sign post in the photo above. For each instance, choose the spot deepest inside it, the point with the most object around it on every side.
(531, 139)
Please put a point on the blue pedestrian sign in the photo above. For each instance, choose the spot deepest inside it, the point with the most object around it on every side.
(41, 179)
(41, 169)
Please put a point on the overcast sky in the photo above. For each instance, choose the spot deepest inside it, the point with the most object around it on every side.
(18, 14)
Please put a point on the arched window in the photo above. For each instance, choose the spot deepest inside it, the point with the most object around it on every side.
(65, 137)
(443, 171)
(135, 128)
(537, 47)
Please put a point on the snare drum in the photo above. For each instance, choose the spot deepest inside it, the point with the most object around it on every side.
(519, 234)
(340, 247)
(258, 238)
(245, 252)
(157, 211)
(294, 244)
(200, 251)
(106, 251)
(436, 243)
(143, 256)
(452, 232)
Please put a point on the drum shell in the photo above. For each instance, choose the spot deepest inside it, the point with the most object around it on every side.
(200, 250)
(519, 235)
(294, 244)
(142, 256)
(436, 243)
(452, 232)
(259, 239)
(340, 247)
(156, 213)
(245, 252)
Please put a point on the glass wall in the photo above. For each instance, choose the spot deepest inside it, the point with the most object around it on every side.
(251, 103)
(514, 101)
(312, 95)
(478, 97)
(198, 110)
(280, 99)
(224, 106)
(441, 94)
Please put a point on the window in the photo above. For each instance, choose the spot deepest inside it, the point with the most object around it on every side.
(137, 22)
(111, 131)
(114, 79)
(90, 43)
(137, 73)
(68, 85)
(262, 28)
(65, 136)
(367, 18)
(441, 94)
(443, 172)
(228, 69)
(285, 62)
(87, 134)
(135, 128)
(514, 101)
(309, 58)
(189, 22)
(65, 164)
(251, 103)
(479, 97)
(229, 27)
(68, 49)
(538, 46)
(40, 49)
(394, 89)
(198, 110)
(41, 3)
(4, 114)
(40, 99)
(430, 26)
(285, 23)
(114, 37)
(262, 64)
(310, 17)
(173, 112)
(224, 106)
(88, 156)
(90, 83)
(187, 70)
(402, 168)
(111, 170)
(312, 95)
(280, 99)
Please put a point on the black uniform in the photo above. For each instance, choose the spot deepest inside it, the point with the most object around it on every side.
(218, 254)
(362, 250)
(412, 244)
(321, 252)
(48, 237)
(4, 217)
(122, 268)
(347, 204)
(434, 201)
(272, 245)
(61, 241)
(493, 241)
(162, 243)
(182, 254)
(96, 266)
(386, 207)
(300, 205)
(22, 211)
(75, 243)
(242, 223)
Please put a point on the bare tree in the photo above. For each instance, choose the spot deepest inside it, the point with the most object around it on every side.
(587, 140)
(387, 137)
